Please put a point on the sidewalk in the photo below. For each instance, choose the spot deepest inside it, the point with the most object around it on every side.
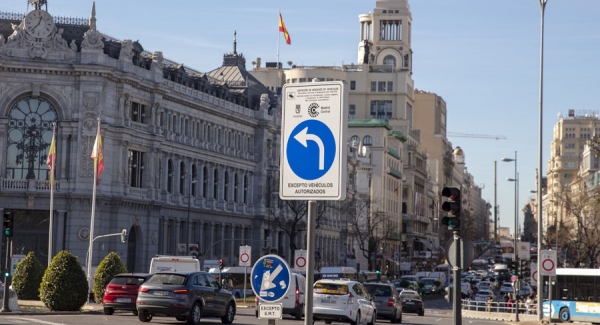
(37, 307)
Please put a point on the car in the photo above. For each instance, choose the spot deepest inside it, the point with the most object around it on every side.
(506, 288)
(386, 300)
(485, 285)
(293, 301)
(186, 295)
(412, 302)
(466, 290)
(122, 291)
(483, 295)
(343, 300)
(430, 287)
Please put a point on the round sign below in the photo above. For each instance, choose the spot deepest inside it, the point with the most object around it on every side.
(300, 262)
(534, 276)
(548, 265)
(244, 258)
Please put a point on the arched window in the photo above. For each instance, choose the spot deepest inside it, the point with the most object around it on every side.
(226, 187)
(170, 176)
(390, 60)
(367, 141)
(216, 184)
(194, 179)
(29, 136)
(182, 178)
(235, 188)
(245, 189)
(355, 141)
(205, 182)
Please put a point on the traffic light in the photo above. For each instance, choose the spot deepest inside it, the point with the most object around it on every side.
(452, 206)
(524, 269)
(9, 218)
(6, 273)
(514, 267)
(448, 295)
(221, 264)
(124, 236)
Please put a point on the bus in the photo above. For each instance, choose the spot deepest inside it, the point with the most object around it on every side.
(508, 249)
(575, 295)
(479, 264)
(233, 277)
(338, 272)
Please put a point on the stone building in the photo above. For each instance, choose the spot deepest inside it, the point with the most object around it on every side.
(186, 153)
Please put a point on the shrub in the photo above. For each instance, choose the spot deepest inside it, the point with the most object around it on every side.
(110, 266)
(64, 286)
(27, 278)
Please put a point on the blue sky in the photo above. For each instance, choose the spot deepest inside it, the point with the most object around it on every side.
(481, 56)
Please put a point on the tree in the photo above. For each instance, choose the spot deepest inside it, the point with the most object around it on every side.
(110, 266)
(371, 228)
(64, 285)
(27, 278)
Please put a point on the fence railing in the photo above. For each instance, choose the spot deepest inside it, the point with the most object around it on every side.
(499, 307)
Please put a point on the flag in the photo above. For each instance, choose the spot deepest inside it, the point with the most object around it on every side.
(98, 156)
(396, 190)
(51, 159)
(284, 30)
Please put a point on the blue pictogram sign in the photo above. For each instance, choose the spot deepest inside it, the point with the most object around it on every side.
(271, 278)
(311, 149)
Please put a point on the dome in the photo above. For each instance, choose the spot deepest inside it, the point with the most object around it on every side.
(458, 152)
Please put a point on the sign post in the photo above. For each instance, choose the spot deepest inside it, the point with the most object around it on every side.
(313, 155)
(245, 258)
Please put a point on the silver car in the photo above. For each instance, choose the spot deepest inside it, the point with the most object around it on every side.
(386, 301)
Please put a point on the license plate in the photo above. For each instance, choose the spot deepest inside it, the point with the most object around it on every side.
(378, 303)
(161, 293)
(327, 301)
(123, 300)
(409, 303)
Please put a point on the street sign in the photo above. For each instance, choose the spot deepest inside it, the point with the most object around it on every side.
(548, 258)
(466, 253)
(300, 259)
(270, 311)
(313, 141)
(523, 250)
(14, 261)
(270, 278)
(534, 275)
(245, 256)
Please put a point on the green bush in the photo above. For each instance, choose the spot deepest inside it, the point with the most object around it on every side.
(27, 278)
(64, 286)
(110, 266)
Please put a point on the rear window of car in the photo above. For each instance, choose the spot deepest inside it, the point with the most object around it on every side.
(159, 278)
(132, 280)
(379, 290)
(409, 296)
(331, 288)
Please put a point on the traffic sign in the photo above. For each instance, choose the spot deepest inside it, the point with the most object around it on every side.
(534, 275)
(548, 258)
(466, 253)
(523, 250)
(313, 141)
(270, 311)
(245, 256)
(270, 278)
(300, 259)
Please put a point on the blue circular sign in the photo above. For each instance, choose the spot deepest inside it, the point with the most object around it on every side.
(270, 278)
(311, 149)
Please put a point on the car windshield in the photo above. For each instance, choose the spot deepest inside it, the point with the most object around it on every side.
(167, 278)
(484, 292)
(428, 281)
(378, 290)
(131, 280)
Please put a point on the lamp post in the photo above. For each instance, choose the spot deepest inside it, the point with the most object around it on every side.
(516, 180)
(187, 235)
(540, 158)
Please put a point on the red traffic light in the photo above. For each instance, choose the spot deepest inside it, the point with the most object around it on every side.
(453, 193)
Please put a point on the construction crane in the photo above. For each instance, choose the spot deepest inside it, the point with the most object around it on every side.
(468, 135)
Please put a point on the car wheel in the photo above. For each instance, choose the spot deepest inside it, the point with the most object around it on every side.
(195, 315)
(357, 320)
(373, 318)
(135, 312)
(400, 319)
(564, 315)
(422, 312)
(328, 321)
(144, 316)
(181, 318)
(229, 314)
(298, 313)
(108, 311)
(394, 318)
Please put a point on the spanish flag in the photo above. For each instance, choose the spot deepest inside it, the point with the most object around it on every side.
(51, 159)
(282, 29)
(98, 156)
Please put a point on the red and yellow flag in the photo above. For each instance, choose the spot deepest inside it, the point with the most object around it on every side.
(282, 29)
(51, 159)
(98, 156)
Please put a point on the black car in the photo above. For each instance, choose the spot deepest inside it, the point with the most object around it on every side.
(187, 296)
(412, 302)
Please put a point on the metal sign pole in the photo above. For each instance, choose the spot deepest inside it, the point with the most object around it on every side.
(245, 277)
(5, 297)
(310, 263)
(456, 306)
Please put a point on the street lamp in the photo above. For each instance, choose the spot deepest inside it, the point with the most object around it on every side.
(516, 180)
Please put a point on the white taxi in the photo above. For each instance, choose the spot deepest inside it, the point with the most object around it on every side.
(343, 300)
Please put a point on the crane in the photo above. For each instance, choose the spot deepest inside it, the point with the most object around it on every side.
(468, 135)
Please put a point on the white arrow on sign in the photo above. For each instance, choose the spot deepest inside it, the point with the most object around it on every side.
(303, 138)
(268, 277)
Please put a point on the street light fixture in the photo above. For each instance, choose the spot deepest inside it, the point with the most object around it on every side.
(516, 180)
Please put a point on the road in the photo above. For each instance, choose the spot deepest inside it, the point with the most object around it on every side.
(437, 312)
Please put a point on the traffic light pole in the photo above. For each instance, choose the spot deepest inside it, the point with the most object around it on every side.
(5, 296)
(456, 305)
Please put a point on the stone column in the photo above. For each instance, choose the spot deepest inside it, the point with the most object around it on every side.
(59, 234)
(64, 140)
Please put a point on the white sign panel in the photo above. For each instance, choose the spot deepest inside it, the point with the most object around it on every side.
(270, 311)
(548, 258)
(14, 261)
(300, 259)
(523, 250)
(245, 256)
(534, 274)
(313, 141)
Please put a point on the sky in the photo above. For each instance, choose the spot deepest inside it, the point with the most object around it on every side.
(481, 56)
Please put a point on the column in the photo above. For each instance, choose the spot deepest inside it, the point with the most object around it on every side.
(63, 156)
(59, 234)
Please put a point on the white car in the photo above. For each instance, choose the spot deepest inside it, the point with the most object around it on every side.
(343, 300)
(506, 288)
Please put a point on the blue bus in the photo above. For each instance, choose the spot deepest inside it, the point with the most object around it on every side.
(575, 295)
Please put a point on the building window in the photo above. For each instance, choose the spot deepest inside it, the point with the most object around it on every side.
(390, 86)
(194, 178)
(204, 182)
(351, 111)
(138, 112)
(170, 176)
(352, 85)
(390, 60)
(381, 109)
(216, 184)
(226, 187)
(136, 168)
(235, 188)
(373, 86)
(245, 189)
(381, 86)
(367, 141)
(29, 136)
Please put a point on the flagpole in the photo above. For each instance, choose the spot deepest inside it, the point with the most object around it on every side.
(277, 76)
(53, 160)
(91, 248)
